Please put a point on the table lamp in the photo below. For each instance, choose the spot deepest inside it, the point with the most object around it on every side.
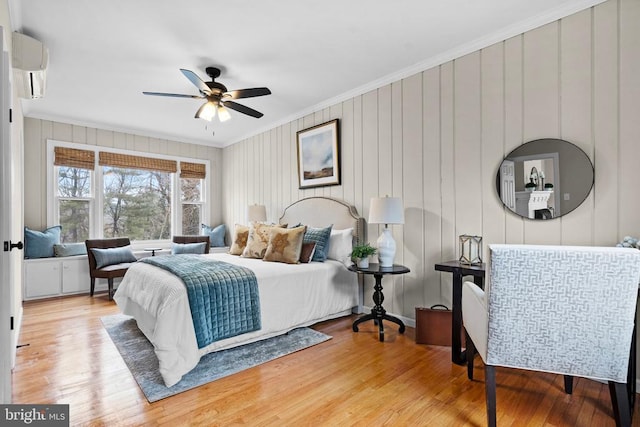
(256, 213)
(386, 210)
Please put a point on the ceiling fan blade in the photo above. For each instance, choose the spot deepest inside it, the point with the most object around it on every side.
(197, 81)
(243, 109)
(248, 93)
(174, 95)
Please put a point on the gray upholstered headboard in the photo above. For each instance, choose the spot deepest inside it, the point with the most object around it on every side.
(323, 211)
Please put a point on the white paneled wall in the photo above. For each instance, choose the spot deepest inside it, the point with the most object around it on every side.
(37, 132)
(436, 140)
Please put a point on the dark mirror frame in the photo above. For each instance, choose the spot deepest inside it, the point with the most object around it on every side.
(558, 176)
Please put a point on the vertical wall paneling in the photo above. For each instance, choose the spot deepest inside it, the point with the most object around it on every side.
(542, 95)
(397, 184)
(385, 157)
(467, 145)
(412, 197)
(576, 111)
(492, 125)
(79, 134)
(35, 212)
(370, 153)
(337, 191)
(513, 121)
(448, 238)
(431, 189)
(629, 85)
(347, 151)
(605, 122)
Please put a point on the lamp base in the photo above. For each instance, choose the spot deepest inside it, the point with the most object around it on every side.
(386, 248)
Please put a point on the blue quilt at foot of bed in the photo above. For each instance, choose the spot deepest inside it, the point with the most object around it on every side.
(223, 297)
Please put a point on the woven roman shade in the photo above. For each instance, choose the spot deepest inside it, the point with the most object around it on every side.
(137, 162)
(72, 157)
(193, 170)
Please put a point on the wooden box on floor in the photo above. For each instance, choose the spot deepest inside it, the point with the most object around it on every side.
(433, 326)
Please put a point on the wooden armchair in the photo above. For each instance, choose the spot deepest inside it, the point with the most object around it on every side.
(193, 239)
(116, 266)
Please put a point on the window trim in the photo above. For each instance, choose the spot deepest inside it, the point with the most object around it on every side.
(96, 222)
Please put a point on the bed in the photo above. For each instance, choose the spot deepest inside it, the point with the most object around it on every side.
(291, 295)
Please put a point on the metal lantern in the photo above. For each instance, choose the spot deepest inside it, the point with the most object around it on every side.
(470, 249)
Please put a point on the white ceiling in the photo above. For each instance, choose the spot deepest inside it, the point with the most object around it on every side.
(311, 54)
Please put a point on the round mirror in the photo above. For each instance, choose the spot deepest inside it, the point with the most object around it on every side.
(544, 179)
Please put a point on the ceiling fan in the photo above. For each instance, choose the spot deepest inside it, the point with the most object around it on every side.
(217, 96)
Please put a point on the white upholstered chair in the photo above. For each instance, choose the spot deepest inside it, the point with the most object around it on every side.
(561, 309)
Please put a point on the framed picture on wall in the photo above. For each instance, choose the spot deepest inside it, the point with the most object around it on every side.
(319, 155)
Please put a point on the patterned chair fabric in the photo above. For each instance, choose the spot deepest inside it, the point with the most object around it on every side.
(560, 309)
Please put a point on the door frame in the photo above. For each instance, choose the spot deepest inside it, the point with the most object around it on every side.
(7, 342)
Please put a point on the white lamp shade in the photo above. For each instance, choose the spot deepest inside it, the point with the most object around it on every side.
(257, 213)
(386, 210)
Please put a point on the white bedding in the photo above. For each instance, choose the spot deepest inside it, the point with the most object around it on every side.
(291, 295)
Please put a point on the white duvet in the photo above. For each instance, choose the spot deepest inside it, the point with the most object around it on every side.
(291, 295)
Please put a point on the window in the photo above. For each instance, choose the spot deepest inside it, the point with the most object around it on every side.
(121, 194)
(191, 200)
(191, 182)
(136, 203)
(74, 196)
(74, 203)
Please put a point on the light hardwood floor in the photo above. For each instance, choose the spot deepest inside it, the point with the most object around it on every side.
(352, 379)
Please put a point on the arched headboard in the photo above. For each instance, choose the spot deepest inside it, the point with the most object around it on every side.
(323, 211)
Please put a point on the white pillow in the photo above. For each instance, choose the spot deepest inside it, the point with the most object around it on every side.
(340, 245)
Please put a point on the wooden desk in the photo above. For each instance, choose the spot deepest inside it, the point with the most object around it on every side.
(459, 271)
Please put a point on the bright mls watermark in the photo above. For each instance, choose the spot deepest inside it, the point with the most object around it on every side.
(34, 415)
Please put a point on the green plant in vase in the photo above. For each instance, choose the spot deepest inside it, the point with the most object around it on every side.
(361, 254)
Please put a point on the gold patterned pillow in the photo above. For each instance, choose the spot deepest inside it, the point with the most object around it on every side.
(240, 236)
(285, 245)
(258, 239)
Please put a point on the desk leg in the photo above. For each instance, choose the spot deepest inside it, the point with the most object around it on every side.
(457, 355)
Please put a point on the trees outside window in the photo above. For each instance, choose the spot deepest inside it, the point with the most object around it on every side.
(137, 204)
(74, 203)
(191, 199)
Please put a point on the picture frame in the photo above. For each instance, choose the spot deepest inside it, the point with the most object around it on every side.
(319, 155)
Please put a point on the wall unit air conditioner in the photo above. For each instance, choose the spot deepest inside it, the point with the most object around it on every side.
(30, 61)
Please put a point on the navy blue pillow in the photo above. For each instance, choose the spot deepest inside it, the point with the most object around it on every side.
(216, 235)
(111, 256)
(319, 236)
(39, 244)
(188, 248)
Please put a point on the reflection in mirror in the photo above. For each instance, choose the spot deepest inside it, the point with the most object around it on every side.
(544, 179)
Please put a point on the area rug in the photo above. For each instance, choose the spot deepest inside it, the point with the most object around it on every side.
(138, 354)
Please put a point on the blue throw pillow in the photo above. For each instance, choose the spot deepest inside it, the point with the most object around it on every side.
(111, 256)
(70, 249)
(319, 236)
(216, 235)
(39, 244)
(188, 248)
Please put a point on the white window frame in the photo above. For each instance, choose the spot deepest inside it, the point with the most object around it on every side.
(96, 205)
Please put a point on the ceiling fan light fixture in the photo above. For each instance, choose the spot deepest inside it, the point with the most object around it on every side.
(207, 111)
(223, 113)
